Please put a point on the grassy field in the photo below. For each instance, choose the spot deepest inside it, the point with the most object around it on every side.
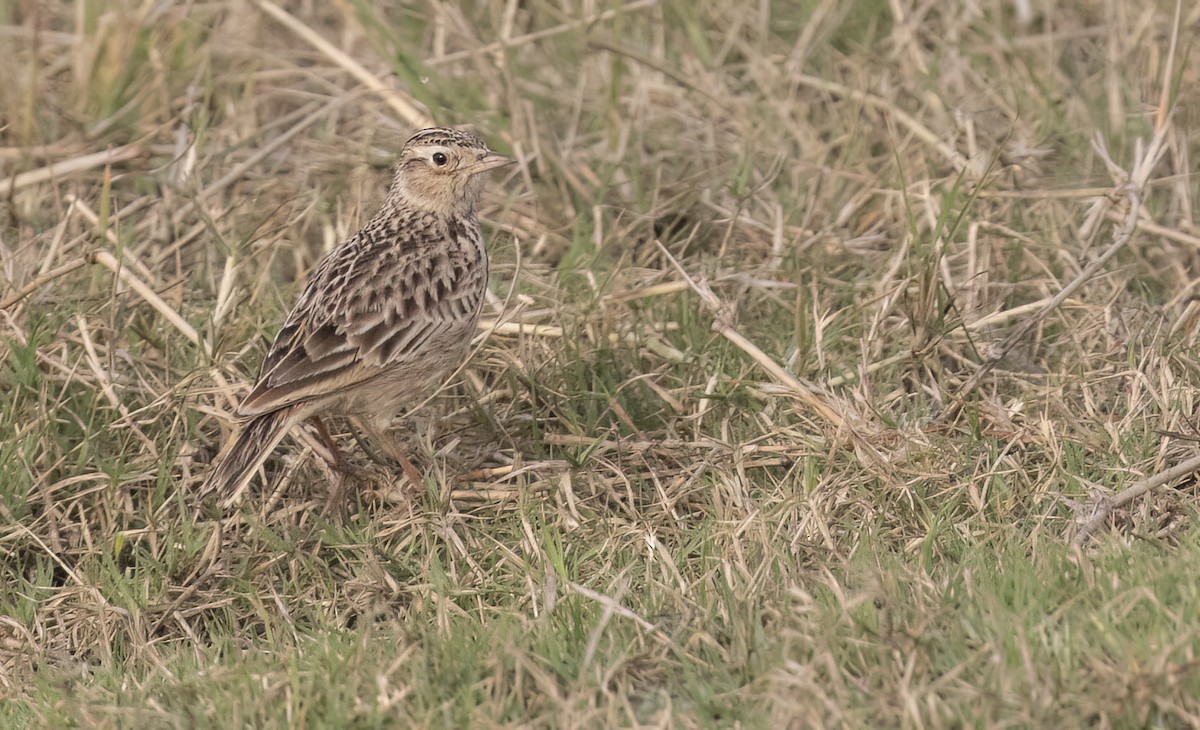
(827, 341)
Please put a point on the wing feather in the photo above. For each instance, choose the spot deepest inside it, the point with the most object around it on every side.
(322, 350)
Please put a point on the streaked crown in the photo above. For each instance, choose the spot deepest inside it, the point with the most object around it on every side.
(445, 137)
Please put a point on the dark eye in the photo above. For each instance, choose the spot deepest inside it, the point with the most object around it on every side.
(439, 158)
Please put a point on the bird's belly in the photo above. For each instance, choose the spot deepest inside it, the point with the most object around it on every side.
(401, 387)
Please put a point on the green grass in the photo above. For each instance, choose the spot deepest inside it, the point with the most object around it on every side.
(666, 536)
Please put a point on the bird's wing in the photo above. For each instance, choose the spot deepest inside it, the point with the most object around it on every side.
(361, 314)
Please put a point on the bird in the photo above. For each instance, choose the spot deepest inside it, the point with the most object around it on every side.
(384, 317)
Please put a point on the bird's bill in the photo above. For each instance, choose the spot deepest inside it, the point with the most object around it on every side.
(490, 161)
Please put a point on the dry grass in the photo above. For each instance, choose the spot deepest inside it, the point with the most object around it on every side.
(820, 328)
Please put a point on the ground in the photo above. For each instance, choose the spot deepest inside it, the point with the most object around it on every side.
(826, 339)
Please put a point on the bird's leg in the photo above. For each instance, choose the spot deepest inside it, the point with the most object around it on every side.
(337, 463)
(380, 435)
(363, 445)
(331, 453)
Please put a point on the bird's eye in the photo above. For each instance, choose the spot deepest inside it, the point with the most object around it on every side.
(439, 158)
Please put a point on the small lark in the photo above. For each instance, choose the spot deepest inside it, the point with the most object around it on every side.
(384, 317)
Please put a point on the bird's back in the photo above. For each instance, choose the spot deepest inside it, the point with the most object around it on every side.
(392, 306)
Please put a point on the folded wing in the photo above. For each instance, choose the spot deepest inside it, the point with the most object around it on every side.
(322, 350)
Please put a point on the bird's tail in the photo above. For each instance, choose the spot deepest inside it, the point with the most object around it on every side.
(244, 454)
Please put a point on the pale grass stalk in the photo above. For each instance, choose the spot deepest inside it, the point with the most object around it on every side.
(1098, 510)
(225, 300)
(106, 387)
(990, 320)
(641, 446)
(662, 68)
(615, 606)
(1022, 331)
(309, 114)
(44, 279)
(151, 297)
(493, 472)
(606, 614)
(672, 402)
(1149, 226)
(655, 290)
(143, 290)
(56, 243)
(69, 167)
(1144, 165)
(497, 496)
(400, 102)
(914, 125)
(722, 326)
(493, 326)
(75, 577)
(996, 318)
(1039, 194)
(147, 293)
(704, 402)
(521, 40)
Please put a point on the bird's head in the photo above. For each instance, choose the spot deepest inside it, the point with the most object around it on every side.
(440, 170)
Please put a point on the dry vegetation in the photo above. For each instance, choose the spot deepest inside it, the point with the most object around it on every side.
(821, 329)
